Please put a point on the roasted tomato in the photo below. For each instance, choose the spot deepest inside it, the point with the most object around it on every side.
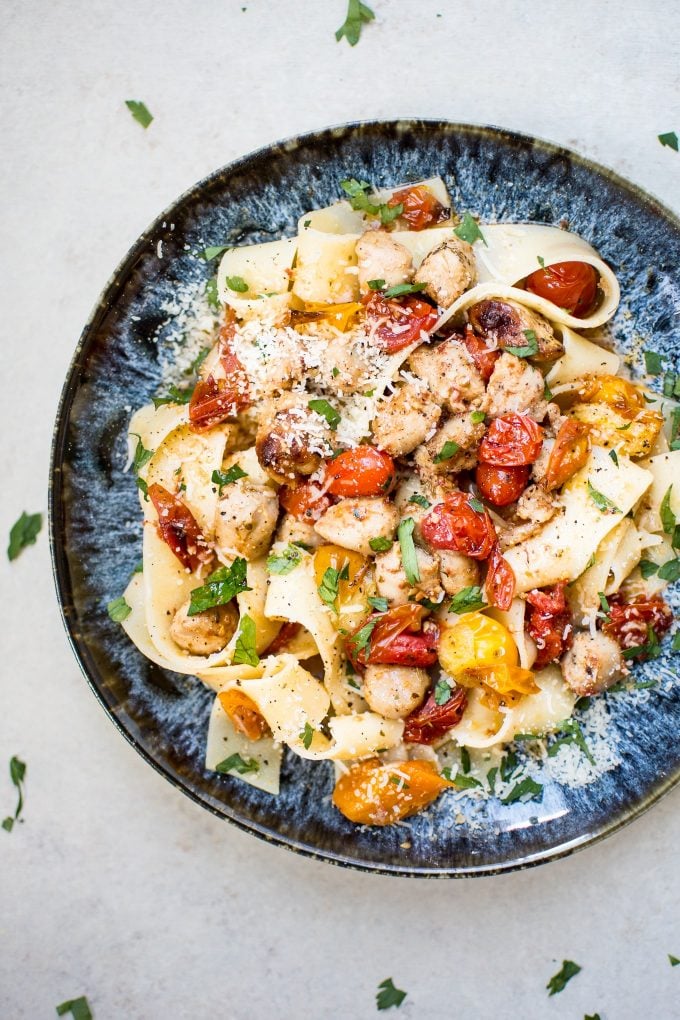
(179, 529)
(476, 642)
(387, 641)
(375, 794)
(569, 453)
(431, 721)
(285, 635)
(484, 357)
(501, 485)
(363, 471)
(214, 400)
(569, 285)
(500, 581)
(548, 622)
(621, 395)
(461, 523)
(397, 323)
(244, 714)
(511, 441)
(421, 208)
(632, 624)
(306, 501)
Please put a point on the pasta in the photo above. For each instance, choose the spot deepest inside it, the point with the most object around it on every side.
(406, 506)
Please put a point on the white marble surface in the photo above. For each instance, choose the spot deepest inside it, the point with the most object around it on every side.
(117, 886)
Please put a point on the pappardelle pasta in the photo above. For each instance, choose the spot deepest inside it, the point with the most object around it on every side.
(409, 504)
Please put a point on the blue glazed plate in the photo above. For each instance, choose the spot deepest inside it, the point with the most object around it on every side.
(96, 532)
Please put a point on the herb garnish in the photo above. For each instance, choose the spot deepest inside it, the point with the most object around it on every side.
(362, 638)
(527, 789)
(17, 772)
(244, 650)
(477, 417)
(235, 763)
(381, 605)
(602, 502)
(141, 455)
(476, 504)
(24, 532)
(559, 981)
(285, 561)
(541, 261)
(442, 692)
(388, 995)
(673, 960)
(614, 456)
(670, 139)
(118, 609)
(448, 450)
(222, 478)
(237, 284)
(307, 736)
(650, 650)
(326, 411)
(220, 587)
(647, 568)
(526, 350)
(467, 600)
(667, 515)
(573, 734)
(420, 500)
(462, 781)
(404, 288)
(139, 111)
(380, 544)
(465, 760)
(358, 15)
(408, 550)
(78, 1008)
(208, 254)
(491, 779)
(468, 230)
(212, 294)
(174, 395)
(376, 284)
(330, 582)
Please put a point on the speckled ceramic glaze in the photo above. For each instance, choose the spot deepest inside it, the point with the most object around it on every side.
(95, 520)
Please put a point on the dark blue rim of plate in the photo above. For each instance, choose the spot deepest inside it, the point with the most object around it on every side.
(56, 506)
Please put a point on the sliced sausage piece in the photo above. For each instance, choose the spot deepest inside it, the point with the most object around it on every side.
(245, 520)
(405, 419)
(380, 257)
(352, 523)
(293, 442)
(394, 691)
(204, 633)
(391, 580)
(593, 663)
(452, 448)
(449, 372)
(515, 387)
(447, 271)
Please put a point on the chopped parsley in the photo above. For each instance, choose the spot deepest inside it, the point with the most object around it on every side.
(420, 500)
(208, 254)
(376, 284)
(381, 605)
(491, 779)
(284, 562)
(380, 544)
(602, 502)
(547, 392)
(244, 650)
(222, 478)
(307, 736)
(463, 782)
(572, 734)
(118, 609)
(468, 230)
(362, 638)
(653, 363)
(220, 587)
(237, 284)
(328, 589)
(17, 773)
(235, 763)
(650, 650)
(670, 139)
(476, 504)
(23, 532)
(614, 456)
(673, 960)
(404, 288)
(526, 789)
(467, 600)
(558, 982)
(668, 518)
(670, 570)
(541, 261)
(528, 349)
(465, 760)
(358, 15)
(78, 1008)
(387, 214)
(448, 450)
(648, 568)
(604, 604)
(174, 395)
(138, 568)
(141, 455)
(624, 428)
(139, 111)
(408, 550)
(143, 488)
(477, 417)
(212, 293)
(442, 692)
(326, 411)
(675, 429)
(388, 995)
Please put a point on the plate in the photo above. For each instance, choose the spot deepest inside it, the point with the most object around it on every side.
(95, 523)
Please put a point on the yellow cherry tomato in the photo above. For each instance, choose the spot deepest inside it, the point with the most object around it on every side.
(475, 642)
(375, 794)
(339, 315)
(353, 589)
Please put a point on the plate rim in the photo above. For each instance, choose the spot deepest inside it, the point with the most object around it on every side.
(56, 506)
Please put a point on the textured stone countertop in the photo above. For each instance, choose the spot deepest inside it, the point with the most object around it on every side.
(118, 887)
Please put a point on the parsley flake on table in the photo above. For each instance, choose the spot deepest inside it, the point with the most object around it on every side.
(284, 562)
(673, 960)
(139, 111)
(222, 478)
(17, 773)
(670, 139)
(467, 600)
(220, 587)
(118, 609)
(358, 15)
(24, 532)
(558, 982)
(468, 230)
(388, 995)
(602, 502)
(326, 411)
(409, 559)
(245, 648)
(528, 349)
(235, 763)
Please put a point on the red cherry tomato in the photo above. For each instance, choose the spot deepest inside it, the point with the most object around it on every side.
(432, 721)
(630, 622)
(307, 501)
(388, 643)
(501, 485)
(178, 528)
(216, 399)
(569, 285)
(396, 324)
(569, 453)
(459, 523)
(511, 441)
(421, 208)
(483, 357)
(548, 622)
(363, 471)
(287, 633)
(500, 581)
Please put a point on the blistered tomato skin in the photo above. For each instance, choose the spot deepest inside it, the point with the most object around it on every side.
(431, 721)
(549, 623)
(629, 623)
(306, 502)
(397, 638)
(396, 324)
(569, 453)
(375, 794)
(363, 471)
(501, 485)
(483, 357)
(500, 581)
(179, 529)
(514, 440)
(569, 285)
(458, 524)
(421, 208)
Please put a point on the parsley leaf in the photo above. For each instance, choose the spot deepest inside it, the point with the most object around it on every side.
(119, 610)
(573, 734)
(527, 789)
(139, 112)
(380, 544)
(442, 692)
(673, 960)
(463, 782)
(467, 600)
(420, 501)
(541, 261)
(223, 478)
(668, 519)
(603, 504)
(141, 455)
(653, 363)
(381, 605)
(328, 589)
(670, 570)
(17, 772)
(477, 417)
(78, 1008)
(558, 982)
(614, 456)
(650, 650)
(212, 293)
(220, 587)
(404, 288)
(24, 532)
(388, 213)
(244, 650)
(208, 254)
(235, 763)
(284, 562)
(476, 504)
(358, 15)
(237, 284)
(491, 779)
(358, 199)
(362, 638)
(173, 396)
(376, 284)
(670, 139)
(468, 230)
(448, 450)
(526, 350)
(307, 736)
(326, 411)
(648, 568)
(409, 559)
(389, 995)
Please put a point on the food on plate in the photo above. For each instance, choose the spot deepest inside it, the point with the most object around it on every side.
(406, 512)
